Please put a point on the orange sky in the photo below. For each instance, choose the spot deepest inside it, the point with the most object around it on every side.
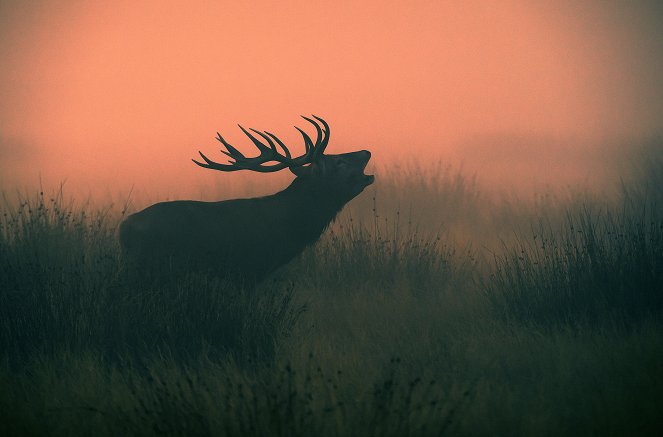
(113, 94)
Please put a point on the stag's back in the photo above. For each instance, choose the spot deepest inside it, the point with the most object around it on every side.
(241, 238)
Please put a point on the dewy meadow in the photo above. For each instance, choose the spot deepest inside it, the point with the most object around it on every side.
(427, 308)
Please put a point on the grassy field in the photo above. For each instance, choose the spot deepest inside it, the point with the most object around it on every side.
(427, 309)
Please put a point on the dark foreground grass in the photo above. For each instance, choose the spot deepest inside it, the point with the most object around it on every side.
(380, 329)
(598, 265)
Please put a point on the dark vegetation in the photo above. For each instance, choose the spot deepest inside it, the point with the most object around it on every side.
(427, 309)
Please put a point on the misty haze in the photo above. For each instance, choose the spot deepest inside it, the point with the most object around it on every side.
(465, 239)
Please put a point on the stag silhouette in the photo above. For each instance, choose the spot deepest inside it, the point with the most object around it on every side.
(247, 239)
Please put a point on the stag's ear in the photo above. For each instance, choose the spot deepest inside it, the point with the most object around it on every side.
(314, 169)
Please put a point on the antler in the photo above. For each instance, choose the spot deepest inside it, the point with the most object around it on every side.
(269, 152)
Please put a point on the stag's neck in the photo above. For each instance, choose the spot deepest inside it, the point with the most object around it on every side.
(311, 206)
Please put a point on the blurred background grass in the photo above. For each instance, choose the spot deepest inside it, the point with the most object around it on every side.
(429, 307)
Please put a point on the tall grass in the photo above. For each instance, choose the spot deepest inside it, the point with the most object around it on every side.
(64, 287)
(597, 265)
(390, 325)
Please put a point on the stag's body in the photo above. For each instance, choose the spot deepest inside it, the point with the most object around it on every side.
(245, 239)
(242, 238)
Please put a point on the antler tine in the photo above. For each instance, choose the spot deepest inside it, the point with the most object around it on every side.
(318, 130)
(257, 142)
(269, 140)
(325, 140)
(277, 156)
(215, 165)
(234, 153)
(280, 143)
(308, 142)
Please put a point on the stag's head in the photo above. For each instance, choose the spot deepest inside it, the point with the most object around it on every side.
(342, 174)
